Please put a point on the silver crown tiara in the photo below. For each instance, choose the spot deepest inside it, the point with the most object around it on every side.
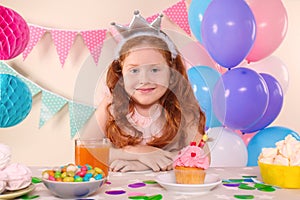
(140, 27)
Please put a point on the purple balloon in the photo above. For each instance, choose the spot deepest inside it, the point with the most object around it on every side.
(240, 98)
(228, 31)
(274, 105)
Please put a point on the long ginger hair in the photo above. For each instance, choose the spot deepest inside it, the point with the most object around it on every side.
(180, 105)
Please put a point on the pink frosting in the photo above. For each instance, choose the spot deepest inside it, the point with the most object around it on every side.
(192, 156)
(19, 176)
(5, 155)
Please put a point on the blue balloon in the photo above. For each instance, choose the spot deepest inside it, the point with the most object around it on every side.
(274, 105)
(15, 100)
(240, 98)
(266, 138)
(203, 80)
(228, 31)
(195, 16)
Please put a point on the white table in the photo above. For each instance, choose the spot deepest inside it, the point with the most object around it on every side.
(120, 181)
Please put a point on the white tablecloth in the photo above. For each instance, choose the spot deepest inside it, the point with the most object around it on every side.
(121, 181)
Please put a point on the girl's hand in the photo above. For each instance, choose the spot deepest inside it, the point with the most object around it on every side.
(155, 158)
(127, 165)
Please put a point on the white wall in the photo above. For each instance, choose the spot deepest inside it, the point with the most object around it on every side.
(52, 144)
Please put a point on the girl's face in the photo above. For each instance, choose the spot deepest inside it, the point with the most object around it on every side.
(146, 75)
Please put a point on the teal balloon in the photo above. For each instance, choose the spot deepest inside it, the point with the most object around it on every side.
(15, 100)
(195, 16)
(203, 80)
(266, 138)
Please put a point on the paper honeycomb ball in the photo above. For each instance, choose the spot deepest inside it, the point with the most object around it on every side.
(15, 100)
(14, 34)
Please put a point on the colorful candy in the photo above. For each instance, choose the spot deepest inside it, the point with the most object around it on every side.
(73, 173)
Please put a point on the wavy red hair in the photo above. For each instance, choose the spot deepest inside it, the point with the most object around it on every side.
(180, 105)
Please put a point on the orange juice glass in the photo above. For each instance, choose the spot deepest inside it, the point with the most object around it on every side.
(94, 152)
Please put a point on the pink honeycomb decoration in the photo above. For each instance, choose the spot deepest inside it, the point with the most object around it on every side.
(14, 34)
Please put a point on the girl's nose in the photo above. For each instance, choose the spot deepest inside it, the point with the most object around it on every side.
(144, 77)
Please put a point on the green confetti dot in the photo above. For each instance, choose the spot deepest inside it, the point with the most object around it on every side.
(150, 182)
(236, 180)
(244, 196)
(260, 185)
(139, 197)
(156, 197)
(36, 180)
(246, 187)
(26, 197)
(267, 189)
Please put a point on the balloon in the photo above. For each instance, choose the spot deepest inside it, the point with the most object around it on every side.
(14, 34)
(240, 98)
(274, 66)
(271, 24)
(15, 100)
(228, 31)
(195, 54)
(246, 137)
(266, 138)
(203, 80)
(274, 105)
(195, 16)
(227, 149)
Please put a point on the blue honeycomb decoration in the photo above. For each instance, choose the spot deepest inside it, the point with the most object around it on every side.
(15, 100)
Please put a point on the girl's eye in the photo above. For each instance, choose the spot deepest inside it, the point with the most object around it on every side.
(134, 71)
(154, 70)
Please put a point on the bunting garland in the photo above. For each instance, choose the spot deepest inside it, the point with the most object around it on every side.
(93, 39)
(63, 41)
(178, 14)
(53, 103)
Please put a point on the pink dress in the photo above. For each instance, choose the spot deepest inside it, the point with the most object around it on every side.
(150, 126)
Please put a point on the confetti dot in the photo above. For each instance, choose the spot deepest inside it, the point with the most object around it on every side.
(115, 192)
(246, 187)
(244, 196)
(36, 180)
(150, 182)
(137, 185)
(139, 197)
(231, 184)
(131, 194)
(267, 189)
(156, 197)
(236, 180)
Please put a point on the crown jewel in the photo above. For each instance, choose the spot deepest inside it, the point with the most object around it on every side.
(139, 26)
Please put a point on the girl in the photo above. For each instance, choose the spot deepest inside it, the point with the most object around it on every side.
(150, 112)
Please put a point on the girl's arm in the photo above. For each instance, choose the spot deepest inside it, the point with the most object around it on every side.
(155, 158)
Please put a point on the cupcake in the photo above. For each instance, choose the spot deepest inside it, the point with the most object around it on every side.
(5, 156)
(18, 176)
(190, 165)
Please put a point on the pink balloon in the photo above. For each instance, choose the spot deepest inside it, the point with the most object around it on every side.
(271, 27)
(274, 66)
(194, 54)
(14, 33)
(246, 137)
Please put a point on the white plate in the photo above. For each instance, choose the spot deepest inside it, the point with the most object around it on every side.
(17, 193)
(169, 183)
